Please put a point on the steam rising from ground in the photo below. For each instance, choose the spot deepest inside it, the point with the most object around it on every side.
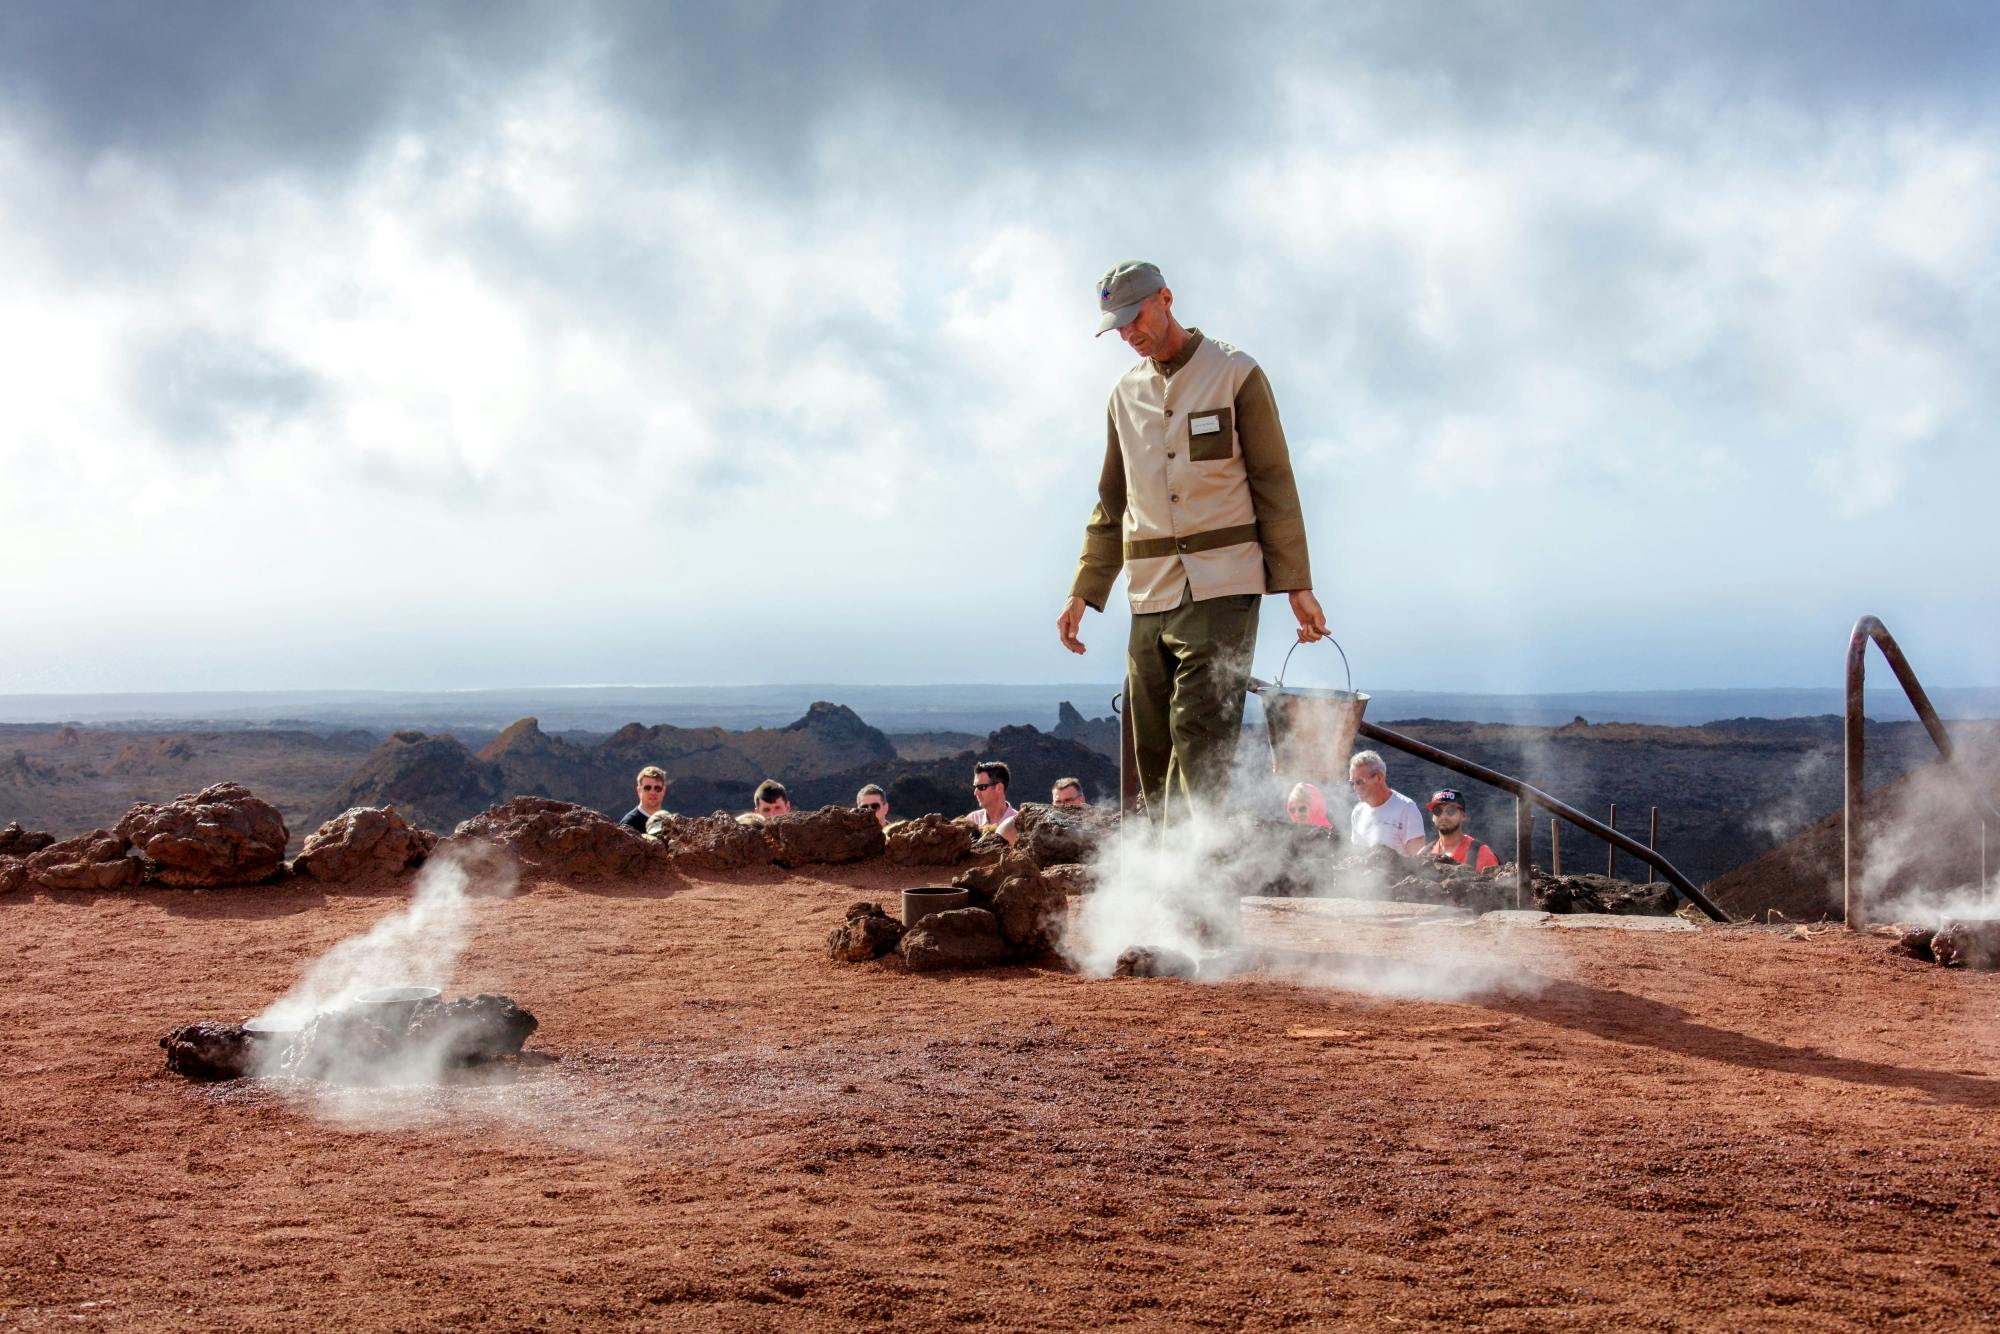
(1923, 849)
(1181, 889)
(416, 945)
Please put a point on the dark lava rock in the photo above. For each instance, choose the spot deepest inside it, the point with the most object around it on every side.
(13, 874)
(868, 933)
(830, 835)
(1915, 945)
(222, 835)
(718, 842)
(1052, 835)
(1602, 894)
(555, 838)
(96, 860)
(1147, 961)
(1968, 944)
(343, 1047)
(210, 1051)
(365, 843)
(1028, 907)
(928, 840)
(469, 1032)
(961, 938)
(18, 842)
(1071, 879)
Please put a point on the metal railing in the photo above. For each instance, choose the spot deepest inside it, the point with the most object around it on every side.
(1526, 796)
(1854, 832)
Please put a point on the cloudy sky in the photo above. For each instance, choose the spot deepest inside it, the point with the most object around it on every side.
(1619, 346)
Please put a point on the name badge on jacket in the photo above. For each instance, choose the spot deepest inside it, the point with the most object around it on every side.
(1207, 425)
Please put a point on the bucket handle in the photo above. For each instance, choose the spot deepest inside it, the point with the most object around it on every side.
(1337, 648)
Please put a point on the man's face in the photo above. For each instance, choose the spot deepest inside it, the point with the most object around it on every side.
(1069, 796)
(875, 806)
(1371, 785)
(776, 806)
(1147, 333)
(992, 793)
(652, 791)
(1449, 817)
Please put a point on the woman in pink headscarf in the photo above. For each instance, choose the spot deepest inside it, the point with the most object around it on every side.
(1307, 806)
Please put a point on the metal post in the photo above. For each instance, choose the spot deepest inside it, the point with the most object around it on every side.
(1524, 853)
(1855, 742)
(1611, 849)
(1555, 847)
(1652, 839)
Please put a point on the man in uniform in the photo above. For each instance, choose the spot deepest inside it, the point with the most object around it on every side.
(1197, 504)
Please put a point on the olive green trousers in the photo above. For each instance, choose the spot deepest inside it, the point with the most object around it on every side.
(1186, 671)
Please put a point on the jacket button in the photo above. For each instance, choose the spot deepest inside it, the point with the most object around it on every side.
(1174, 499)
(1170, 412)
(1183, 546)
(1170, 453)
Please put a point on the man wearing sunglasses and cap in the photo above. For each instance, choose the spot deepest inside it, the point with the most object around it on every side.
(1196, 503)
(1447, 810)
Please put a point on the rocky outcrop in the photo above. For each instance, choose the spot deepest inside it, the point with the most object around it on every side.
(928, 840)
(1027, 908)
(867, 933)
(718, 842)
(97, 860)
(1100, 734)
(1071, 879)
(961, 938)
(18, 842)
(555, 838)
(222, 835)
(1596, 894)
(830, 835)
(366, 843)
(1973, 943)
(433, 780)
(470, 1031)
(208, 1051)
(1052, 835)
(13, 874)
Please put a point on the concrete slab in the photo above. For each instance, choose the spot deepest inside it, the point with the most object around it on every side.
(1582, 921)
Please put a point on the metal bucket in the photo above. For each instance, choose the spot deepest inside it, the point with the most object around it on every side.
(1312, 731)
(394, 1007)
(921, 903)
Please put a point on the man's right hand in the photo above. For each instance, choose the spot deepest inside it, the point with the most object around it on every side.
(1069, 623)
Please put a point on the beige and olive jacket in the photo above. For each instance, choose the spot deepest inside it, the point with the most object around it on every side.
(1197, 491)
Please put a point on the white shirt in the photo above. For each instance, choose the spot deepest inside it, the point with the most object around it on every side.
(1391, 825)
(978, 817)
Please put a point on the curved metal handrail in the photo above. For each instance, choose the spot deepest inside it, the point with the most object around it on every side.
(1853, 834)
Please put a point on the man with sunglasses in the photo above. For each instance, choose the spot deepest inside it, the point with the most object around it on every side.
(652, 792)
(989, 786)
(1447, 810)
(1197, 505)
(875, 801)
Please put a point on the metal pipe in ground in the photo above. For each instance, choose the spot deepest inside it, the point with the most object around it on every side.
(1652, 839)
(1611, 849)
(1524, 853)
(1555, 846)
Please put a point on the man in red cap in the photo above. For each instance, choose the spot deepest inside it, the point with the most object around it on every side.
(1447, 810)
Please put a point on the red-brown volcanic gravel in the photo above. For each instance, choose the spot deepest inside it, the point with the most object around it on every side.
(1727, 1129)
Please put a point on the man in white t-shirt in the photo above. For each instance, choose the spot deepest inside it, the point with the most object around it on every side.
(1382, 817)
